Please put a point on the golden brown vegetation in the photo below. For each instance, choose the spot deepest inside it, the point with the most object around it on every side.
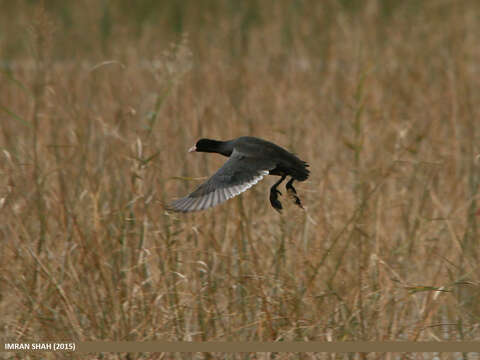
(99, 102)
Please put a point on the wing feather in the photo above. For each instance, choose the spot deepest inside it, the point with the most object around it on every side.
(237, 175)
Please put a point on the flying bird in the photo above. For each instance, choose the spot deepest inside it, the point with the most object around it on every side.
(249, 160)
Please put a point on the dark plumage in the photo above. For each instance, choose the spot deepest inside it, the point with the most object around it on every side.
(250, 159)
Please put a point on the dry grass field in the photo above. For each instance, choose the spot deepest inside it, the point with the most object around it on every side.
(99, 102)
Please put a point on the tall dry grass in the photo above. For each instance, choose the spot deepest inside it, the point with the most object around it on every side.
(100, 101)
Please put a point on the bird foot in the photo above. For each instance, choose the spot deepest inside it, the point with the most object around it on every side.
(295, 199)
(276, 204)
(293, 195)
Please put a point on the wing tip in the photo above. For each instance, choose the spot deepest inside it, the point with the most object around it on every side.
(178, 205)
(188, 204)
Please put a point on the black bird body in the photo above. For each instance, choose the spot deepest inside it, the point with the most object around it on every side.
(250, 159)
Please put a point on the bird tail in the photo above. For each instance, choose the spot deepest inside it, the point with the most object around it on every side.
(301, 171)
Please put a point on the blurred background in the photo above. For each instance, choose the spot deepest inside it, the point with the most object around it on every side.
(99, 101)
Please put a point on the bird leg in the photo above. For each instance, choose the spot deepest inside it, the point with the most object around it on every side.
(293, 193)
(277, 205)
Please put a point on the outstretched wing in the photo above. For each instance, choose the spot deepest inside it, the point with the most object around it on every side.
(237, 175)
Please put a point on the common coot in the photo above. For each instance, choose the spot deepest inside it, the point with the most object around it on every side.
(250, 159)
